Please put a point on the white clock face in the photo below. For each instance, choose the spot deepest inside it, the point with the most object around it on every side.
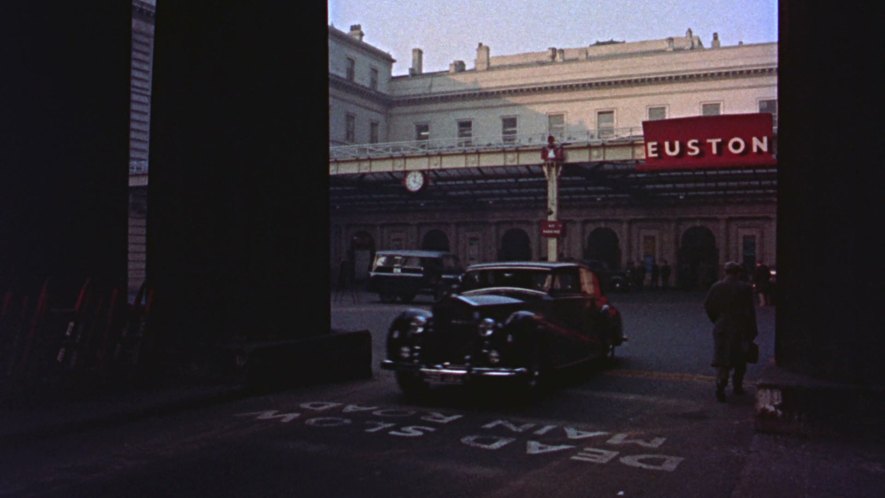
(415, 181)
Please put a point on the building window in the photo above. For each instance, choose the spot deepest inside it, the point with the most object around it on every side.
(508, 130)
(712, 109)
(556, 126)
(657, 113)
(374, 128)
(605, 123)
(350, 129)
(769, 106)
(465, 133)
(422, 131)
(351, 69)
(373, 79)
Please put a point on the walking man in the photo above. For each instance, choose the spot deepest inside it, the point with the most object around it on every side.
(729, 305)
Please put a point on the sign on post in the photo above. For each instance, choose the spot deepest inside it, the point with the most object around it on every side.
(552, 228)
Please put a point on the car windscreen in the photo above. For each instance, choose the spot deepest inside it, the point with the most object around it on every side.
(388, 260)
(538, 280)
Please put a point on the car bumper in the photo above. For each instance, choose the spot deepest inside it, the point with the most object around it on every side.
(455, 374)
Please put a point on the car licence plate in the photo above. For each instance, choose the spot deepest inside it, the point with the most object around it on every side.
(444, 378)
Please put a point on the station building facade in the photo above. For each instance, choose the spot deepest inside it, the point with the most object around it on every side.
(474, 134)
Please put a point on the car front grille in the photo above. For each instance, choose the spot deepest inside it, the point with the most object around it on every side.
(454, 336)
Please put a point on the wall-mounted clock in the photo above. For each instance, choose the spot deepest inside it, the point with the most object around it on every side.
(415, 181)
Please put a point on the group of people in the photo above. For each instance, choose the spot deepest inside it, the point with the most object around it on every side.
(658, 275)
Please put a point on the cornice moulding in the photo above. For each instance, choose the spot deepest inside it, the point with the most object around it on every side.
(584, 85)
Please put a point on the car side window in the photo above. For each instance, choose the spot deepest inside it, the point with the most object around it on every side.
(588, 282)
(567, 282)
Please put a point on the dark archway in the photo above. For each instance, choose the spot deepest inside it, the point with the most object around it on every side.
(361, 252)
(515, 246)
(603, 245)
(697, 259)
(435, 240)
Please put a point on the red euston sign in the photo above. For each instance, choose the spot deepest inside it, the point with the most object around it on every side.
(731, 140)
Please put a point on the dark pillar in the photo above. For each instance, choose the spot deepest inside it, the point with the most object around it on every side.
(238, 222)
(829, 242)
(64, 139)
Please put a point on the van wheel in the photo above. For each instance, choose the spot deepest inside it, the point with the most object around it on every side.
(387, 298)
(407, 298)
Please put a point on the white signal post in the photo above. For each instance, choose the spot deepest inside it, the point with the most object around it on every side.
(552, 169)
(553, 158)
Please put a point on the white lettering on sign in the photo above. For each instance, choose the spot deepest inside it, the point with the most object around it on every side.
(595, 455)
(573, 433)
(327, 422)
(376, 425)
(271, 415)
(509, 425)
(665, 462)
(319, 406)
(736, 145)
(693, 147)
(545, 430)
(652, 149)
(536, 448)
(622, 439)
(760, 144)
(412, 431)
(440, 418)
(403, 428)
(487, 442)
(394, 413)
(358, 408)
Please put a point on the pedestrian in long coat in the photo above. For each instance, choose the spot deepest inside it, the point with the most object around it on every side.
(729, 305)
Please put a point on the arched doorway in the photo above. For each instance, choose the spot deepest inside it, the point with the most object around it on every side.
(515, 246)
(602, 245)
(361, 252)
(697, 259)
(435, 240)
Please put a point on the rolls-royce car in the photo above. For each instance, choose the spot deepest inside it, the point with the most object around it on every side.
(507, 321)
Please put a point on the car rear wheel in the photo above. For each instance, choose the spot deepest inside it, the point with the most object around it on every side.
(412, 385)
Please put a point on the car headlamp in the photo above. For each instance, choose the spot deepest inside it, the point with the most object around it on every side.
(487, 327)
(418, 325)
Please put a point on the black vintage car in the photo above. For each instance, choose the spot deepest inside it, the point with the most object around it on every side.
(514, 321)
(404, 274)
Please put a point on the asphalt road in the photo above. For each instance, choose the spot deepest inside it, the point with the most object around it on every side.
(647, 425)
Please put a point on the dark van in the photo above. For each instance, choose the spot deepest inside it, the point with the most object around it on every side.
(404, 274)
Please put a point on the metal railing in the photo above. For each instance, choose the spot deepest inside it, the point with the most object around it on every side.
(478, 144)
